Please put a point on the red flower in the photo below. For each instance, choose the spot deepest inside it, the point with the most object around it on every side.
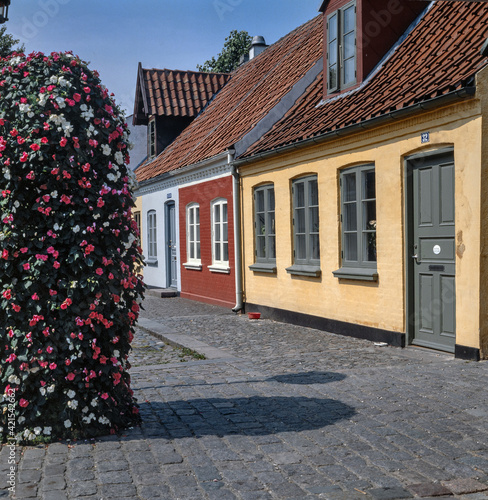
(35, 147)
(24, 403)
(63, 142)
(24, 157)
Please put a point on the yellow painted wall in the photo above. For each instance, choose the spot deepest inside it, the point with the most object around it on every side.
(382, 304)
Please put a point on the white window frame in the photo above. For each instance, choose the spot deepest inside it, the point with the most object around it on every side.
(193, 248)
(152, 238)
(219, 242)
(151, 138)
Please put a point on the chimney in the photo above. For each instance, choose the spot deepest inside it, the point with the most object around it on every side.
(257, 46)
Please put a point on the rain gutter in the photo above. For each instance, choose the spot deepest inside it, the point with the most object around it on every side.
(429, 104)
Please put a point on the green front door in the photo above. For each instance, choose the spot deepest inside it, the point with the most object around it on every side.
(433, 257)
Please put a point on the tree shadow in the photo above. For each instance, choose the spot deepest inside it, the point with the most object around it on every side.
(307, 378)
(250, 416)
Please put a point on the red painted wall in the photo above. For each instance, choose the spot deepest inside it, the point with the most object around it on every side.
(206, 286)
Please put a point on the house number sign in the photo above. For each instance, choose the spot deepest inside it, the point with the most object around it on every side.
(437, 249)
(425, 137)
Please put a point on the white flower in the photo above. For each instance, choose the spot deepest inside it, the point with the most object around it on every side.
(106, 150)
(119, 158)
(21, 420)
(38, 430)
(76, 229)
(51, 388)
(116, 353)
(103, 420)
(53, 79)
(94, 402)
(71, 394)
(6, 174)
(54, 195)
(47, 431)
(42, 391)
(13, 379)
(73, 404)
(85, 409)
(67, 423)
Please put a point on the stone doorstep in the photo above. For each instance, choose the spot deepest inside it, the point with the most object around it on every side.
(163, 293)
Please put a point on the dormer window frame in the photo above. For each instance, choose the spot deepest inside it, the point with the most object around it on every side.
(151, 137)
(340, 30)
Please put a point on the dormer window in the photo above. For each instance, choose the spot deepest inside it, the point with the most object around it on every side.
(341, 48)
(151, 138)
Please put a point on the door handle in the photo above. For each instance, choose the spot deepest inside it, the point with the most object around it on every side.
(415, 257)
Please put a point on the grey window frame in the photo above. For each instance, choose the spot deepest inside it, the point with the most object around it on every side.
(265, 219)
(360, 268)
(308, 266)
(340, 50)
(152, 238)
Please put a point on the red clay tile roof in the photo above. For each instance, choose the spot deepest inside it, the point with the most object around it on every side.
(254, 89)
(440, 55)
(176, 93)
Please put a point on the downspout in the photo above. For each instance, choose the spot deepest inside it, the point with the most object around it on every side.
(236, 204)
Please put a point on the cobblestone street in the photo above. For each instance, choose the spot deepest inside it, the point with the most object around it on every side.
(275, 411)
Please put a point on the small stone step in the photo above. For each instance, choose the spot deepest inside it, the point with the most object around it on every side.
(164, 293)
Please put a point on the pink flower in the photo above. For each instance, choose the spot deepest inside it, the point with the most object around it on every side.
(49, 349)
(53, 366)
(99, 271)
(63, 142)
(35, 147)
(24, 157)
(26, 266)
(35, 296)
(66, 303)
(104, 395)
(7, 294)
(77, 97)
(24, 403)
(70, 376)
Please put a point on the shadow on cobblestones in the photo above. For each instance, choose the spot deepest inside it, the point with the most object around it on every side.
(251, 416)
(308, 378)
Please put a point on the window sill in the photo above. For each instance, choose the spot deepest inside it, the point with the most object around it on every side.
(262, 267)
(219, 269)
(303, 270)
(192, 266)
(356, 273)
(152, 262)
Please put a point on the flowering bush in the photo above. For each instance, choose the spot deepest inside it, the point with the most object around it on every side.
(69, 292)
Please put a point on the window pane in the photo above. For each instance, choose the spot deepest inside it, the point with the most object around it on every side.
(301, 250)
(217, 233)
(315, 246)
(332, 32)
(369, 215)
(260, 201)
(349, 46)
(217, 213)
(261, 247)
(198, 250)
(349, 19)
(271, 223)
(224, 212)
(261, 225)
(217, 251)
(314, 193)
(299, 194)
(369, 190)
(314, 220)
(272, 247)
(226, 252)
(351, 246)
(225, 233)
(369, 247)
(350, 187)
(349, 71)
(198, 232)
(271, 199)
(332, 77)
(350, 217)
(191, 216)
(300, 220)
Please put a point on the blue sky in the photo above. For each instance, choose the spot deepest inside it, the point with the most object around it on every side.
(115, 35)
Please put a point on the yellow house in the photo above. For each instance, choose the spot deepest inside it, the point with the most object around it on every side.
(365, 209)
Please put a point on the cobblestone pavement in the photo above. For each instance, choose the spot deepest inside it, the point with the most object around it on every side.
(276, 412)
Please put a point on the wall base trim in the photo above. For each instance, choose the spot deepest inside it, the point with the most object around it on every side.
(207, 300)
(467, 353)
(396, 339)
